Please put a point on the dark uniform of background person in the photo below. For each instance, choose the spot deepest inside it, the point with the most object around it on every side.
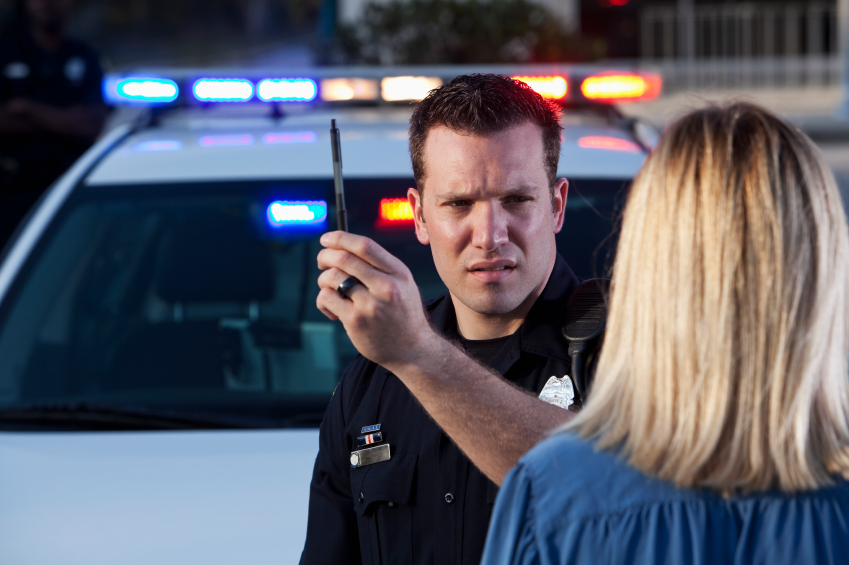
(428, 503)
(51, 107)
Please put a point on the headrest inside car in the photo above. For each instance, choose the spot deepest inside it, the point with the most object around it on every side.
(215, 261)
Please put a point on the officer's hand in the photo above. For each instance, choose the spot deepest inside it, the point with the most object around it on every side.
(383, 315)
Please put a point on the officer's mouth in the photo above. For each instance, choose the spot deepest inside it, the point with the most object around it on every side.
(492, 271)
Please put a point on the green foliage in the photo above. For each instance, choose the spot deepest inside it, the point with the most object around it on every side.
(460, 32)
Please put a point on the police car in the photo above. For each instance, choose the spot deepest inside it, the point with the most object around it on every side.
(163, 368)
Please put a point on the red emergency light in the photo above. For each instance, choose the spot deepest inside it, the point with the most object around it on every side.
(395, 210)
(621, 87)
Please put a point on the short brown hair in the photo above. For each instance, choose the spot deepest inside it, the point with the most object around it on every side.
(485, 104)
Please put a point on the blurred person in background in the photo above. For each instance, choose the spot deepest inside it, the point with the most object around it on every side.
(717, 430)
(51, 107)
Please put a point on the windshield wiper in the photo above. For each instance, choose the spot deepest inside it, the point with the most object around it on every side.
(110, 416)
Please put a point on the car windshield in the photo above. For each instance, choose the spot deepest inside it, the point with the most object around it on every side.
(197, 300)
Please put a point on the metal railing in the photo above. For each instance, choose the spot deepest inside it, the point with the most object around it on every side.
(774, 72)
(742, 45)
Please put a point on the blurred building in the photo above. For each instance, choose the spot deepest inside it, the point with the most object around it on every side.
(704, 29)
(568, 11)
(738, 29)
(758, 43)
(688, 29)
(185, 32)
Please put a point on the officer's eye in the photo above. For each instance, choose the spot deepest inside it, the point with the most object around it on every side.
(520, 199)
(458, 203)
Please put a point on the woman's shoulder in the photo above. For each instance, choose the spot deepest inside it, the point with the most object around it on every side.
(565, 498)
(568, 473)
(573, 481)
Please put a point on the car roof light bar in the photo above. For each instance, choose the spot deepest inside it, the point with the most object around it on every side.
(621, 87)
(407, 88)
(286, 90)
(143, 90)
(563, 83)
(223, 90)
(345, 89)
(551, 87)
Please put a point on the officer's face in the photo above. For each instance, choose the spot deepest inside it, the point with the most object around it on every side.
(486, 211)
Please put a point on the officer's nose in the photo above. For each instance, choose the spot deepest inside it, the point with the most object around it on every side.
(490, 226)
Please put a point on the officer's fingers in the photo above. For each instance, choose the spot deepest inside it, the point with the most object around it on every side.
(330, 315)
(332, 278)
(343, 261)
(332, 305)
(366, 300)
(349, 263)
(366, 249)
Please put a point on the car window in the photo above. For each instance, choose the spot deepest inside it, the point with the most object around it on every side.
(200, 297)
(591, 225)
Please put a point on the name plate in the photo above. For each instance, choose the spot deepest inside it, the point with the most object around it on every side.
(370, 456)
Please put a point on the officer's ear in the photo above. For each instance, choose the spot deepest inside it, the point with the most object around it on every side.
(558, 202)
(416, 199)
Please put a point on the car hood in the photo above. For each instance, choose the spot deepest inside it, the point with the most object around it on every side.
(231, 497)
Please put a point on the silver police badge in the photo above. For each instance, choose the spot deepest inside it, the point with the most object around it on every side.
(558, 392)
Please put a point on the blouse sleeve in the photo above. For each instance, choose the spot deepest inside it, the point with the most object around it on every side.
(512, 530)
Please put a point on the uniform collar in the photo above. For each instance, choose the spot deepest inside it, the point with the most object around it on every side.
(539, 334)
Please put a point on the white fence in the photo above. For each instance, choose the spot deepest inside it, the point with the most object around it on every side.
(742, 45)
(773, 72)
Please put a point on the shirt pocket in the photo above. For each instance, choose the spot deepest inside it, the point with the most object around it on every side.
(384, 497)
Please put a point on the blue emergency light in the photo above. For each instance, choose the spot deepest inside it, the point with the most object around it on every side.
(296, 213)
(286, 90)
(141, 90)
(223, 90)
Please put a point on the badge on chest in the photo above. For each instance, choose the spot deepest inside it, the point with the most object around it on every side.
(559, 392)
(370, 455)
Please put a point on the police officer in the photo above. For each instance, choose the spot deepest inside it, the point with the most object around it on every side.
(51, 107)
(391, 482)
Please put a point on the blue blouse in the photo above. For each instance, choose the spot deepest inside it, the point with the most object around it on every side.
(566, 503)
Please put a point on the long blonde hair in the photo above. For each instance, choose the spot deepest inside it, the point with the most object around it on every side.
(725, 359)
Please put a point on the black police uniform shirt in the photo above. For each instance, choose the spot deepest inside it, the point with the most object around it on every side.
(428, 503)
(69, 76)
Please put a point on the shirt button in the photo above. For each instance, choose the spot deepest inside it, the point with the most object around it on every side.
(449, 498)
(362, 497)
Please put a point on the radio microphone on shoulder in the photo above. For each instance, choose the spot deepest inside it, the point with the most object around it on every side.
(586, 318)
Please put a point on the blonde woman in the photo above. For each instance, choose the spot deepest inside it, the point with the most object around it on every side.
(718, 427)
